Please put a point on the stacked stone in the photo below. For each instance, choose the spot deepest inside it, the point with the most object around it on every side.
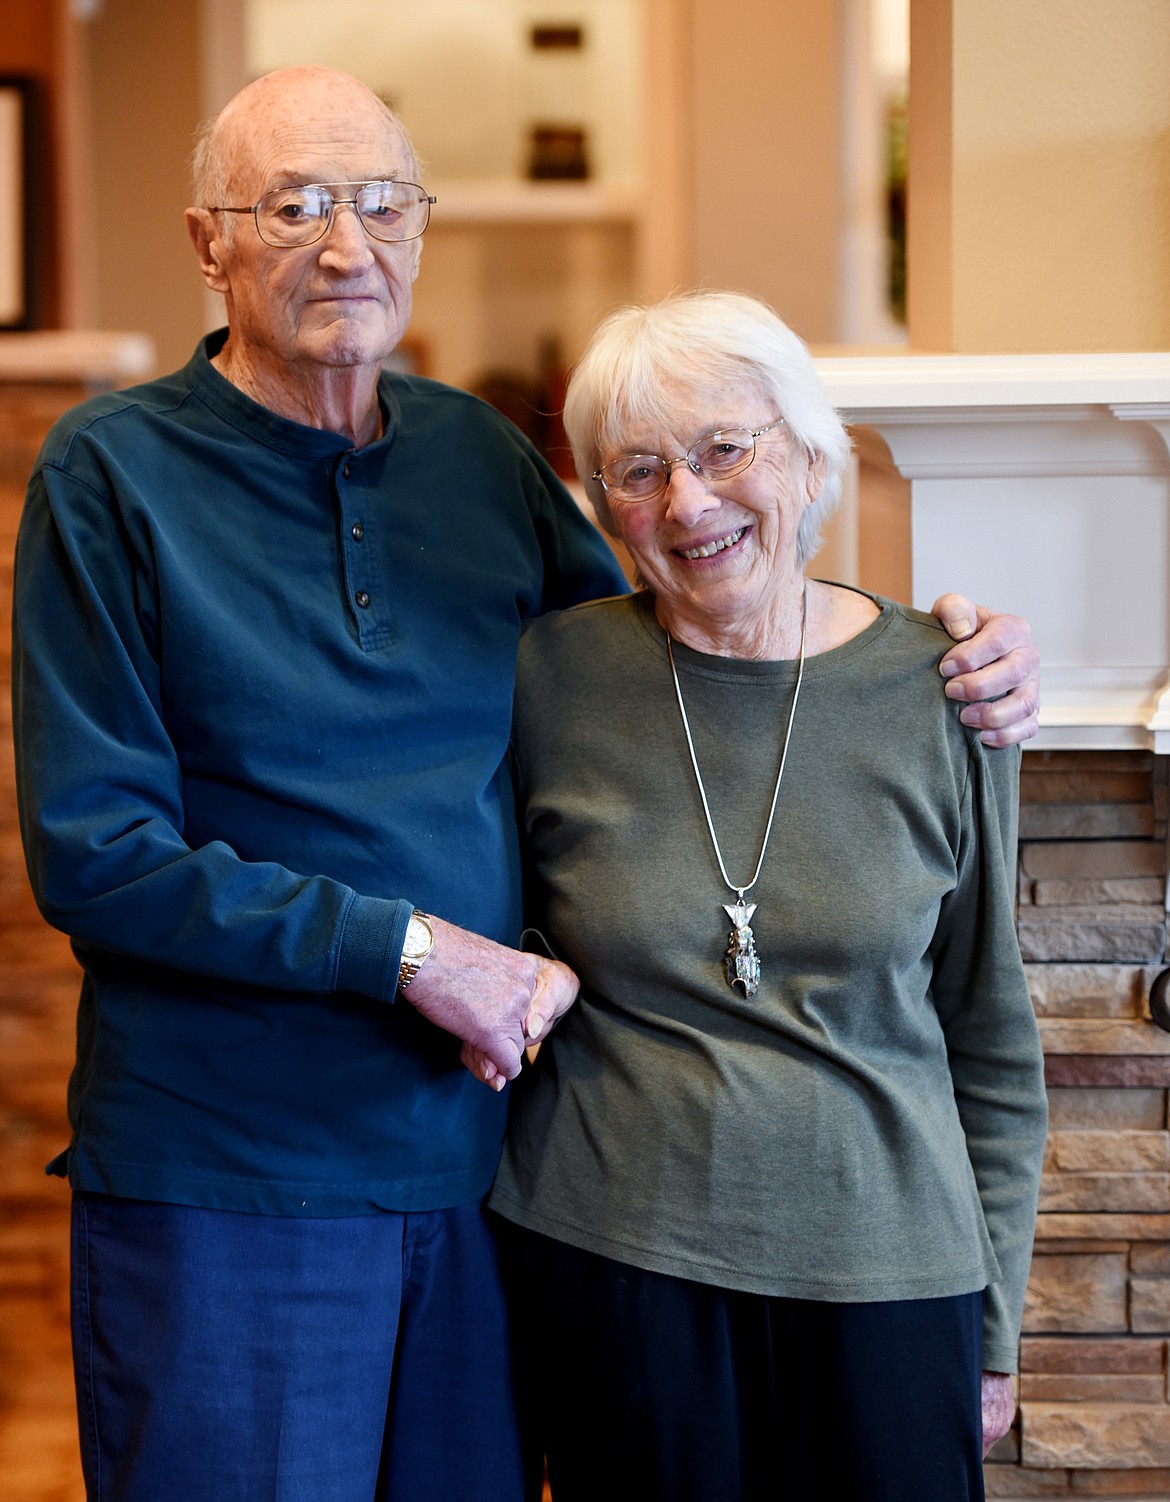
(1093, 856)
(1094, 1395)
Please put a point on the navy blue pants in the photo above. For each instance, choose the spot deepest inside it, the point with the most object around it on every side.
(223, 1357)
(652, 1387)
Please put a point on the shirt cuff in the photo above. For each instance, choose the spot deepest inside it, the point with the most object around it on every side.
(371, 946)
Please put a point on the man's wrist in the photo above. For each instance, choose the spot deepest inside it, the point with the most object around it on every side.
(416, 948)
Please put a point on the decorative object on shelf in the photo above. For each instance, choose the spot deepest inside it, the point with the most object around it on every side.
(558, 153)
(556, 37)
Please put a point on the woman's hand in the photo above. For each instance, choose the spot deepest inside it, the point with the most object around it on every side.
(999, 1408)
(995, 671)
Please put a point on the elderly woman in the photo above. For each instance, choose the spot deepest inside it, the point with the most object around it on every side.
(777, 1170)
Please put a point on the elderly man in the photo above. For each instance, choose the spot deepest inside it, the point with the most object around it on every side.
(266, 623)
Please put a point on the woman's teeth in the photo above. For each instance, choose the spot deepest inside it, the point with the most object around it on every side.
(709, 549)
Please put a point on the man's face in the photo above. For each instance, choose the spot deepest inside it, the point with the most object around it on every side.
(345, 300)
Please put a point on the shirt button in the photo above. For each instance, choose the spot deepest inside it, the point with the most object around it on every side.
(363, 599)
(345, 471)
(357, 531)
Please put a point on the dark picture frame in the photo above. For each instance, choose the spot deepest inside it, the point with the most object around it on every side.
(17, 146)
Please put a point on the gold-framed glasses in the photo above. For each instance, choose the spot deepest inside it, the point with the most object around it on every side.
(632, 479)
(302, 215)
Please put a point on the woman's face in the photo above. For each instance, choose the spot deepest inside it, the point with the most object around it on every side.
(720, 555)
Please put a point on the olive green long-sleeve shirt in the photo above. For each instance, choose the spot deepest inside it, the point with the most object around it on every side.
(869, 1126)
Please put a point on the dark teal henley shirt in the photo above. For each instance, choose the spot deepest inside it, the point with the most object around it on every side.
(262, 690)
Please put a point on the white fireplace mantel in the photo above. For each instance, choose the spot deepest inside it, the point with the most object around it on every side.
(1041, 484)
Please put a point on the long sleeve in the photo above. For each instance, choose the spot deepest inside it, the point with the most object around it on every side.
(101, 783)
(992, 1039)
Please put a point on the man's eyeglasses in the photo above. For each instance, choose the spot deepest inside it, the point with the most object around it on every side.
(289, 217)
(634, 478)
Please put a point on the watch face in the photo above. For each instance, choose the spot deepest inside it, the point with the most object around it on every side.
(418, 939)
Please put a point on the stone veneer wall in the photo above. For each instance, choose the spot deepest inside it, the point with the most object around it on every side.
(1094, 1398)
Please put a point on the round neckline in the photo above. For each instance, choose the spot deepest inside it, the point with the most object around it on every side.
(712, 665)
(274, 431)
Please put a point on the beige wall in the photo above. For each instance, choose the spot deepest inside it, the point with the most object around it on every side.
(142, 65)
(1040, 172)
(765, 179)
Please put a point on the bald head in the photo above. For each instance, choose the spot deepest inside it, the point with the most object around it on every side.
(271, 114)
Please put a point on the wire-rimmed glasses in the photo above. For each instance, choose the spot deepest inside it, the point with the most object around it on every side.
(289, 217)
(632, 479)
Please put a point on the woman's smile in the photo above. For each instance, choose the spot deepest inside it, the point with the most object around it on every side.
(719, 545)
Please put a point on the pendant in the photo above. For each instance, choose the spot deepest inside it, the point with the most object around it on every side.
(741, 964)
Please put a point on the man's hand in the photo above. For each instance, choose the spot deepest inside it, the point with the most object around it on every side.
(995, 672)
(497, 1000)
(999, 1408)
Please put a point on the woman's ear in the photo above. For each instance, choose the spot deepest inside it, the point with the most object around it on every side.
(816, 473)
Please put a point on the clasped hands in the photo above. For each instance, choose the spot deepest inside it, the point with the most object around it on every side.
(496, 1000)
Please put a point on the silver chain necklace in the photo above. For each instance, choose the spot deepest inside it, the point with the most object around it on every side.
(741, 963)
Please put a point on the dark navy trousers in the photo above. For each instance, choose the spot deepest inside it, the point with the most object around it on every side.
(659, 1389)
(225, 1357)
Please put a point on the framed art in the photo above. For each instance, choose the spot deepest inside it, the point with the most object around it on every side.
(15, 188)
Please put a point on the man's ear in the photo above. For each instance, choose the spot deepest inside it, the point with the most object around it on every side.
(202, 227)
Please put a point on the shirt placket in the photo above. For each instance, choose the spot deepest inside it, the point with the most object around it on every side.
(362, 549)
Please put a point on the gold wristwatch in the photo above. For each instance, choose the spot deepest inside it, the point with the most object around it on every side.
(420, 940)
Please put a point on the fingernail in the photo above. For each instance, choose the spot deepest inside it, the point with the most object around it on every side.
(498, 1083)
(948, 668)
(963, 626)
(535, 1028)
